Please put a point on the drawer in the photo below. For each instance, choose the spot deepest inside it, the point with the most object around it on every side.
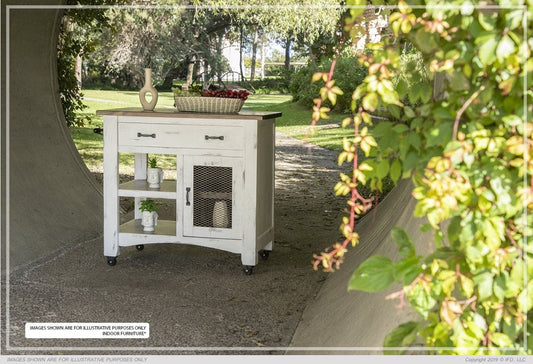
(180, 136)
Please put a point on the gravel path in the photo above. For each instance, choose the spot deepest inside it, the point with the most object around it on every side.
(196, 300)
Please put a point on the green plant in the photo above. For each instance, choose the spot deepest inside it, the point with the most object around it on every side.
(148, 205)
(465, 139)
(349, 73)
(152, 162)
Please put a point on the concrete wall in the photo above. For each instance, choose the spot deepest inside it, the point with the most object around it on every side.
(51, 200)
(354, 319)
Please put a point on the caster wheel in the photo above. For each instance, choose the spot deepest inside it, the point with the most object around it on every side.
(139, 247)
(111, 261)
(264, 254)
(248, 269)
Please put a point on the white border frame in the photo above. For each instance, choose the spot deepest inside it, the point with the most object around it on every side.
(207, 349)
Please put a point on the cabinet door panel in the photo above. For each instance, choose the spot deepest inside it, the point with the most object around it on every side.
(213, 187)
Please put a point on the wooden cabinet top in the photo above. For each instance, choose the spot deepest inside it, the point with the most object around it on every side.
(171, 113)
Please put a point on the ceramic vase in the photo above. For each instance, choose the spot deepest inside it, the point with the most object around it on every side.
(220, 215)
(148, 88)
(154, 176)
(149, 221)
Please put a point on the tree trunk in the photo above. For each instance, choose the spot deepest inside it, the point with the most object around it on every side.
(288, 53)
(263, 56)
(205, 78)
(171, 75)
(254, 56)
(240, 55)
(190, 73)
(77, 71)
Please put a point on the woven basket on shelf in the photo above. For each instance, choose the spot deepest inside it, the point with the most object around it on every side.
(219, 105)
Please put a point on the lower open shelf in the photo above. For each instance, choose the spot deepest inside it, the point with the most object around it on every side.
(131, 233)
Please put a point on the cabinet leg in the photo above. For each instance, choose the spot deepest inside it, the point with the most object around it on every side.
(264, 254)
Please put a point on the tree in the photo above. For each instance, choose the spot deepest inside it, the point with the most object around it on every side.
(467, 147)
(79, 29)
(292, 18)
(165, 39)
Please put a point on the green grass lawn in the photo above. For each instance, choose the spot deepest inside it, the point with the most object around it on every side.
(294, 122)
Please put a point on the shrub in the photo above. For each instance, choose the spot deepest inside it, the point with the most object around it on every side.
(348, 73)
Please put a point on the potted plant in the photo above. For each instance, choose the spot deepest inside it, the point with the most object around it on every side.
(154, 175)
(149, 215)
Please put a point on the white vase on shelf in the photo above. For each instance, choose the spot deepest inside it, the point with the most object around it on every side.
(220, 215)
(148, 88)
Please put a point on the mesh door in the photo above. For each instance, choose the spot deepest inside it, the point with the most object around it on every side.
(212, 196)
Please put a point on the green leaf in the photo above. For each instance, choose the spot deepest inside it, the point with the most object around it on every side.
(467, 285)
(409, 112)
(407, 269)
(382, 169)
(415, 92)
(374, 274)
(502, 340)
(400, 128)
(473, 330)
(426, 92)
(401, 337)
(440, 135)
(499, 287)
(463, 340)
(459, 81)
(454, 229)
(425, 41)
(506, 47)
(395, 171)
(487, 50)
(487, 21)
(406, 247)
(517, 273)
(389, 97)
(420, 300)
(525, 299)
(410, 161)
(370, 101)
(484, 281)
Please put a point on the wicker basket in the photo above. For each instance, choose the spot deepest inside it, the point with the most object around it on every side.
(218, 105)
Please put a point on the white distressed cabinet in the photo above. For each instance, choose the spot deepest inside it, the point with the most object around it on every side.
(224, 190)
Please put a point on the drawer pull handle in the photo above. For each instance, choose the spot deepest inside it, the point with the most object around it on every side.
(140, 135)
(207, 137)
(188, 203)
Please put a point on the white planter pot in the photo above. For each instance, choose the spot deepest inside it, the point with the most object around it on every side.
(154, 176)
(149, 220)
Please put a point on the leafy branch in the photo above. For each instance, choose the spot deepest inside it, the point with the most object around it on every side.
(458, 128)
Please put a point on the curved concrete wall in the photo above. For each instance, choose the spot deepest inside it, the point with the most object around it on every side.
(339, 318)
(52, 199)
